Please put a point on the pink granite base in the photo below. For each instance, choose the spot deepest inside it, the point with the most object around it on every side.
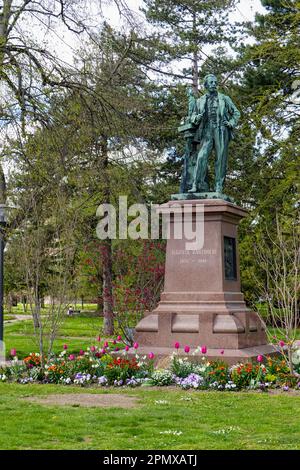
(201, 304)
(231, 356)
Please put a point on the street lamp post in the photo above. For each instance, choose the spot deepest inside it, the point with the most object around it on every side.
(3, 222)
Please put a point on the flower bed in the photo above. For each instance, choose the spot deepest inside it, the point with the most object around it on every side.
(97, 365)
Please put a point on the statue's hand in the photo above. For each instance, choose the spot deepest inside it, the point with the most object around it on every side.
(196, 119)
(228, 124)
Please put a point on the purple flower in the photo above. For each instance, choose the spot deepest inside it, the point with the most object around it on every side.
(102, 380)
(191, 381)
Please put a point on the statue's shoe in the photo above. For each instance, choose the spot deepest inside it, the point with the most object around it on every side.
(193, 189)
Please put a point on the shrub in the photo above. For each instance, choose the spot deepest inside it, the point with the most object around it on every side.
(217, 373)
(296, 361)
(162, 378)
(120, 369)
(181, 367)
(246, 375)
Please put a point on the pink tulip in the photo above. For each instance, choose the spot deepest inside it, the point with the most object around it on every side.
(136, 345)
(13, 352)
(259, 358)
(71, 357)
(93, 349)
(186, 349)
(151, 355)
(65, 346)
(105, 344)
(117, 349)
(281, 343)
(222, 351)
(99, 338)
(126, 348)
(177, 345)
(114, 341)
(81, 352)
(119, 338)
(103, 351)
(203, 349)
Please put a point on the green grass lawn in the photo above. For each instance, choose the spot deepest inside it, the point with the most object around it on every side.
(77, 332)
(207, 420)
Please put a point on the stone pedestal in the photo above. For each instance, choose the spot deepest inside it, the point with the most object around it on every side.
(202, 302)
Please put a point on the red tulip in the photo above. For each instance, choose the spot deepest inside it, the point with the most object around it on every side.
(65, 346)
(203, 349)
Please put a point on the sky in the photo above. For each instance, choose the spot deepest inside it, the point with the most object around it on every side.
(65, 43)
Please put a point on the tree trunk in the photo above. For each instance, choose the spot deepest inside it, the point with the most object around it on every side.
(108, 314)
(195, 59)
(99, 309)
(108, 323)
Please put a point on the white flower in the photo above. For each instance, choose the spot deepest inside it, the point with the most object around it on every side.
(296, 357)
(170, 431)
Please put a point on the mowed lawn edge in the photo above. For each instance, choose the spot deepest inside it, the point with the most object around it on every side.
(163, 419)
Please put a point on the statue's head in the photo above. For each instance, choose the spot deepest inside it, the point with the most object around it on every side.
(211, 82)
(189, 91)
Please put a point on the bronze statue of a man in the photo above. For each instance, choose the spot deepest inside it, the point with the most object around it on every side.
(212, 121)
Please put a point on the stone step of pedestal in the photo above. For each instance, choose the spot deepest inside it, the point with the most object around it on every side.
(231, 356)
